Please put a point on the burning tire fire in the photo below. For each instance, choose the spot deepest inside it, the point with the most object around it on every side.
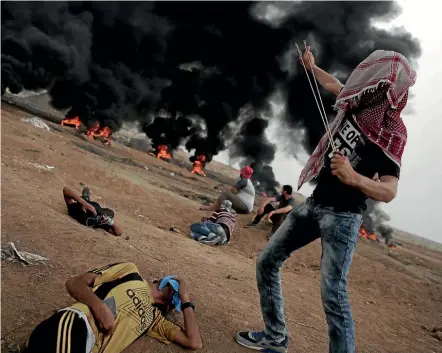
(198, 165)
(93, 132)
(96, 132)
(71, 122)
(162, 152)
(366, 235)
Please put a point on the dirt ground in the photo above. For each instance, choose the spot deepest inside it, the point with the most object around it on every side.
(393, 292)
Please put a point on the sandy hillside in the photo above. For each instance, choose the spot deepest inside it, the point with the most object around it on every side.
(392, 294)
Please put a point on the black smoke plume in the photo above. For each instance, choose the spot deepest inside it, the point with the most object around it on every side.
(128, 61)
(168, 131)
(264, 180)
(341, 35)
(253, 145)
(375, 220)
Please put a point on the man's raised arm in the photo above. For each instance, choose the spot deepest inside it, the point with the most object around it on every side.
(70, 194)
(329, 82)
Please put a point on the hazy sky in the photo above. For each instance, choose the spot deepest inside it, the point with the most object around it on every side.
(417, 208)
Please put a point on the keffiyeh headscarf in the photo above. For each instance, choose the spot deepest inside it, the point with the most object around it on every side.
(381, 123)
(226, 205)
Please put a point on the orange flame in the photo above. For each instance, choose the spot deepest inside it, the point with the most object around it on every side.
(91, 132)
(198, 165)
(366, 235)
(71, 122)
(104, 132)
(163, 152)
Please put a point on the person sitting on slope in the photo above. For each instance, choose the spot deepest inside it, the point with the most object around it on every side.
(242, 195)
(276, 214)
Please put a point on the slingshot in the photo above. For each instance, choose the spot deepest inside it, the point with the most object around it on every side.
(319, 103)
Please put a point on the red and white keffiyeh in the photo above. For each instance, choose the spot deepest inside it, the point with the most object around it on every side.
(381, 123)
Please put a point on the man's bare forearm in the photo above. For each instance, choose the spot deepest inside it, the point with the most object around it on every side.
(375, 190)
(116, 230)
(191, 328)
(71, 193)
(266, 202)
(328, 81)
(79, 289)
(283, 210)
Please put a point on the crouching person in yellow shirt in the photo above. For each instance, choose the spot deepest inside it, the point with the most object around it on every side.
(114, 307)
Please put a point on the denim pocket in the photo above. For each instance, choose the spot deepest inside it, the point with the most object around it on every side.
(347, 227)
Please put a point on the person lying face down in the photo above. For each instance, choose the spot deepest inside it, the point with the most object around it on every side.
(89, 213)
(217, 229)
(114, 307)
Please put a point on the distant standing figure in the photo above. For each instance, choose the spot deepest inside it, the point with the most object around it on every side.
(242, 195)
(89, 213)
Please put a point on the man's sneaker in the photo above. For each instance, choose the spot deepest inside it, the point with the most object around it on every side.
(86, 194)
(258, 341)
(210, 241)
(251, 225)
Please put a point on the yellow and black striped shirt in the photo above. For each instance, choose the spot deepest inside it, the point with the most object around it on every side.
(135, 314)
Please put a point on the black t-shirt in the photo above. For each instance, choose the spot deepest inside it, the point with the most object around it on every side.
(366, 159)
(75, 210)
(284, 203)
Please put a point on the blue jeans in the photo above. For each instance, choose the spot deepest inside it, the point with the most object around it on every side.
(208, 230)
(338, 233)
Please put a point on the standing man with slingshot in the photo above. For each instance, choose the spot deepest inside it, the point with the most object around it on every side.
(366, 138)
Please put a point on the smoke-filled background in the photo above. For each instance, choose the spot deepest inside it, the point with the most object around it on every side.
(197, 74)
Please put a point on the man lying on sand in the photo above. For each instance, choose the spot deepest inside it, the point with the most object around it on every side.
(242, 195)
(218, 229)
(277, 215)
(114, 307)
(89, 213)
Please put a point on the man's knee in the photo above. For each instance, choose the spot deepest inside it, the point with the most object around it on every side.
(333, 292)
(261, 261)
(329, 295)
(268, 208)
(266, 260)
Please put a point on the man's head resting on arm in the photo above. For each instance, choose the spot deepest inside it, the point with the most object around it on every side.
(115, 306)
